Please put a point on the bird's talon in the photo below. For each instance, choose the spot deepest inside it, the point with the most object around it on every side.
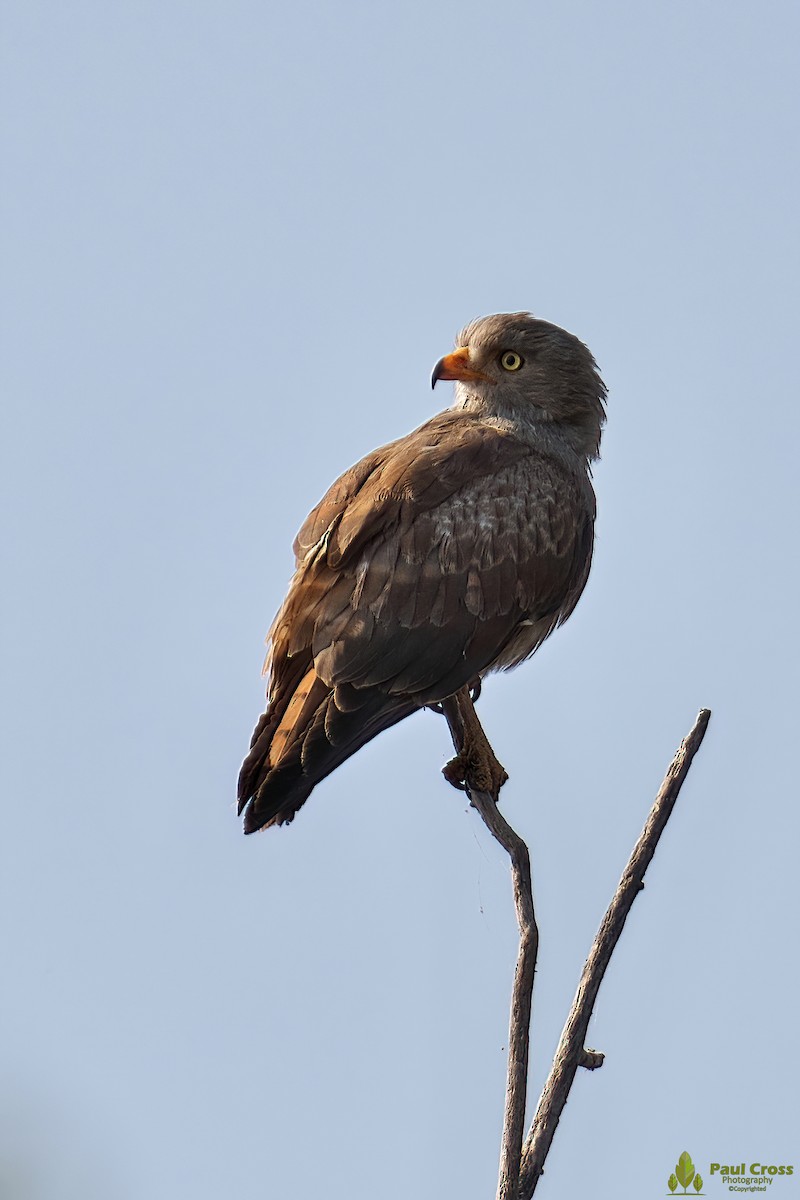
(477, 768)
(455, 772)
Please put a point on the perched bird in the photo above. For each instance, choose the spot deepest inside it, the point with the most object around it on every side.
(449, 553)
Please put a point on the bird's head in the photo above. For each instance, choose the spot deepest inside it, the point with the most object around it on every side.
(514, 365)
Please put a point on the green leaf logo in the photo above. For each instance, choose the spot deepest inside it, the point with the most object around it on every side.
(684, 1170)
(684, 1174)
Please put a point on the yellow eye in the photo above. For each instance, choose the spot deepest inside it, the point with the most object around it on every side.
(510, 360)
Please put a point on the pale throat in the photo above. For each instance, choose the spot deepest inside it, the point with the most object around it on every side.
(530, 422)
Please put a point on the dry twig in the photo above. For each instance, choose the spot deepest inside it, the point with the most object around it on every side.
(477, 770)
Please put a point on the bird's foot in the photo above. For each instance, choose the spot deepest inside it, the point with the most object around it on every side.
(476, 766)
(469, 770)
(455, 772)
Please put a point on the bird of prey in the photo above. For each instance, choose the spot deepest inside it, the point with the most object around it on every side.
(449, 553)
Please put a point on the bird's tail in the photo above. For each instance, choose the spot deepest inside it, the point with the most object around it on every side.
(302, 737)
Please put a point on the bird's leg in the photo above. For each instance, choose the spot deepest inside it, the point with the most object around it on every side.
(475, 765)
(475, 688)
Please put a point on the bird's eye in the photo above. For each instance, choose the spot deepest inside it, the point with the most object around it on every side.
(510, 360)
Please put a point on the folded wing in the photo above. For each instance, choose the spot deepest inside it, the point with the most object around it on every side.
(434, 559)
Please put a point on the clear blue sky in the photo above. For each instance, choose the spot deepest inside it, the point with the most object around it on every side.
(236, 237)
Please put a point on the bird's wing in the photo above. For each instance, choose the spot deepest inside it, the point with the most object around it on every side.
(452, 550)
(420, 563)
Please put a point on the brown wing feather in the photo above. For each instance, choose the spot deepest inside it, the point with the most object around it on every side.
(434, 559)
(415, 473)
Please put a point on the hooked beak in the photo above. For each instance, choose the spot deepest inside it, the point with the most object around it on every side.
(456, 366)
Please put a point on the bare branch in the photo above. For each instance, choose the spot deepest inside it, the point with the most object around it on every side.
(570, 1053)
(478, 771)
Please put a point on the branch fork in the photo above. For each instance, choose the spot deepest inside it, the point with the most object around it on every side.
(476, 770)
